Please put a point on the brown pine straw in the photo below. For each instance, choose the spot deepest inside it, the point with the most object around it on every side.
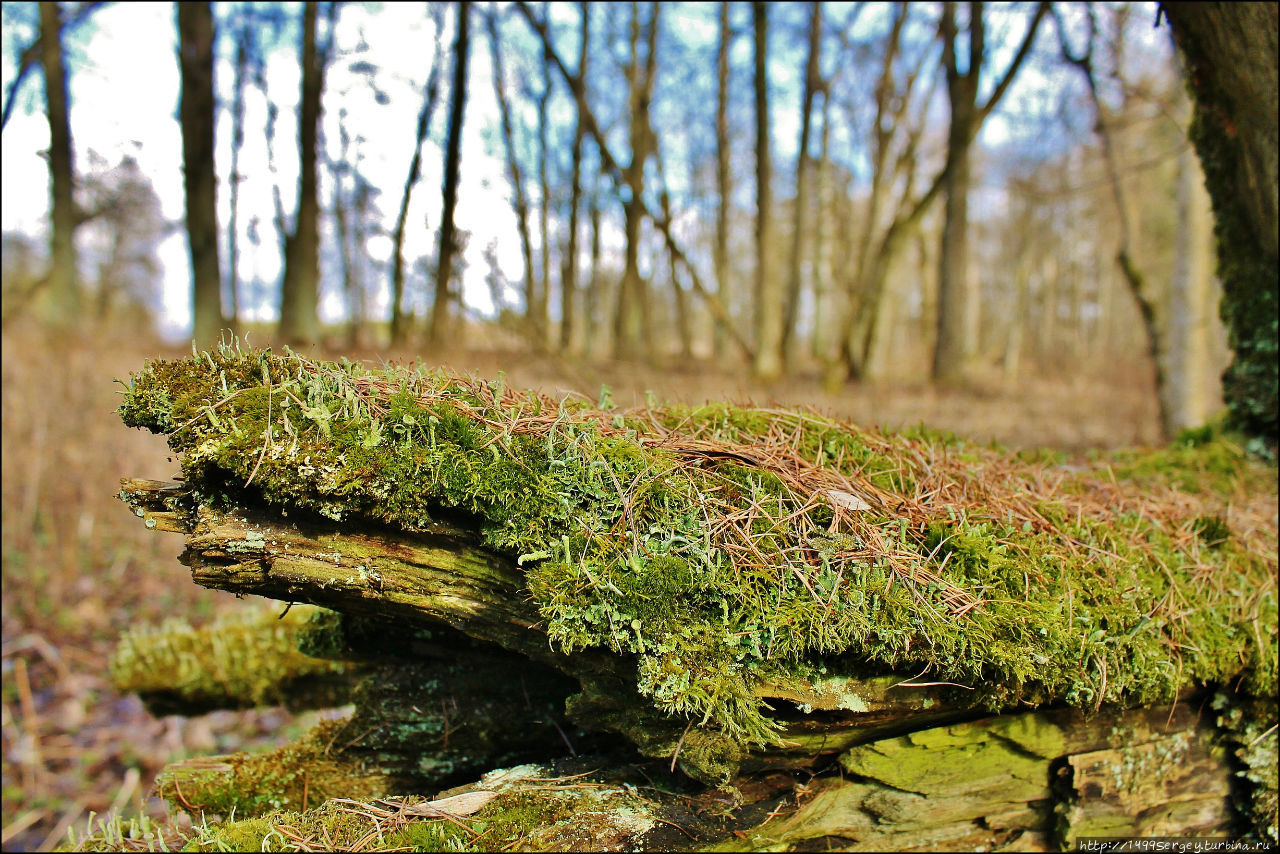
(983, 485)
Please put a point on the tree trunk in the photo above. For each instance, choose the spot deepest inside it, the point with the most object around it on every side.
(825, 310)
(569, 266)
(64, 288)
(1230, 50)
(724, 187)
(440, 322)
(399, 323)
(768, 290)
(243, 34)
(195, 30)
(544, 205)
(631, 325)
(300, 292)
(1188, 401)
(957, 301)
(520, 201)
(800, 229)
(955, 348)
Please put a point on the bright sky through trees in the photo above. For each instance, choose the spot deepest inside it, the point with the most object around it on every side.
(124, 90)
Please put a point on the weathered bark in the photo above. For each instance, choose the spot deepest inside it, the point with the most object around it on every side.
(453, 155)
(1230, 51)
(195, 30)
(922, 768)
(744, 595)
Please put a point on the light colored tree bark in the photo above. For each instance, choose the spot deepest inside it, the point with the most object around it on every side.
(1190, 402)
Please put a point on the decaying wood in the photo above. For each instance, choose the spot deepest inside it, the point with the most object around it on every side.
(871, 763)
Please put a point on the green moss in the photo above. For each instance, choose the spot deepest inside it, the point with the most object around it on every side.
(707, 545)
(1250, 730)
(239, 662)
(1247, 264)
(308, 771)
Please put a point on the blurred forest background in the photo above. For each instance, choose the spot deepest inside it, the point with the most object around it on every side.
(984, 217)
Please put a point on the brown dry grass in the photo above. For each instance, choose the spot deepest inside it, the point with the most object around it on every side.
(78, 568)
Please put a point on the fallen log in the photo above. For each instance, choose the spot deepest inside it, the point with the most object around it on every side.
(837, 635)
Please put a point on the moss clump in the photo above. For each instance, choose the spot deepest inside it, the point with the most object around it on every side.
(725, 549)
(305, 772)
(241, 662)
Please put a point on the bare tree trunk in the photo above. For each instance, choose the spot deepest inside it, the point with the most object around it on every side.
(544, 205)
(957, 302)
(195, 31)
(1231, 54)
(724, 281)
(64, 288)
(684, 328)
(631, 324)
(824, 311)
(569, 266)
(520, 202)
(453, 154)
(1189, 401)
(300, 298)
(812, 84)
(768, 290)
(1129, 268)
(399, 323)
(610, 166)
(595, 285)
(243, 34)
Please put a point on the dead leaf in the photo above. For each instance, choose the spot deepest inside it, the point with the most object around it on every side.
(847, 500)
(457, 805)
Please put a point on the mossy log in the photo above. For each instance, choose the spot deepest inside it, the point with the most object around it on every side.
(836, 636)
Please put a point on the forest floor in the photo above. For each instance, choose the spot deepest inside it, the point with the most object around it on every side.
(78, 569)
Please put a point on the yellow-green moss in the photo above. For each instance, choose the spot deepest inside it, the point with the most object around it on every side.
(618, 523)
(247, 660)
